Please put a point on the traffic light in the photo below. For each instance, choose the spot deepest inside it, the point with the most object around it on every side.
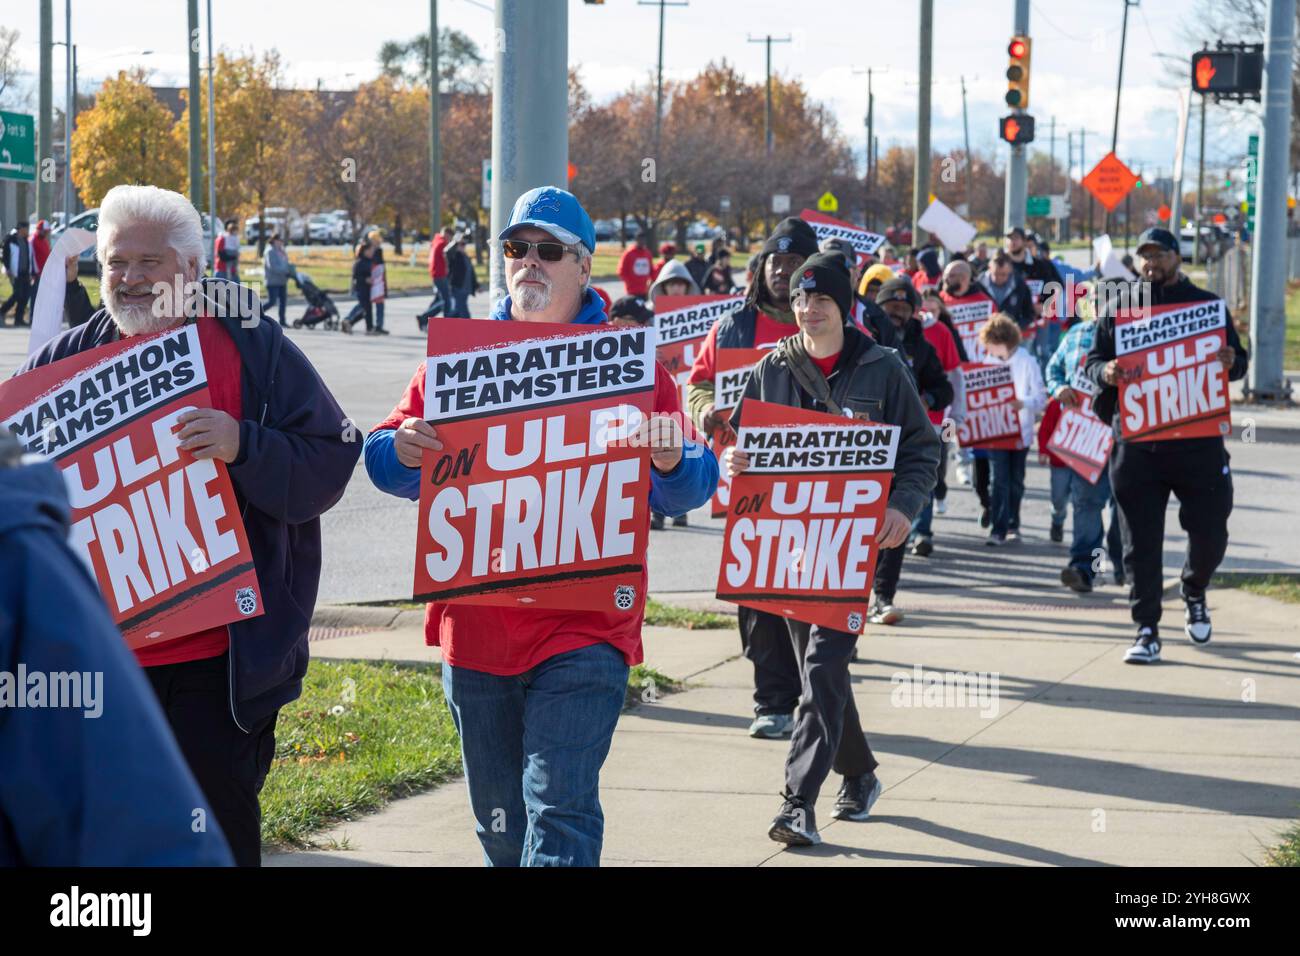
(1018, 73)
(1017, 129)
(1232, 71)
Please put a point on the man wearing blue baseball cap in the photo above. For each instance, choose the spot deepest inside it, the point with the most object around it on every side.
(535, 695)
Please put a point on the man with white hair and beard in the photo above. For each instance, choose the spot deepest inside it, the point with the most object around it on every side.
(535, 694)
(286, 446)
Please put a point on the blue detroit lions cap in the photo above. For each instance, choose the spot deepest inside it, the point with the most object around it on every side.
(555, 210)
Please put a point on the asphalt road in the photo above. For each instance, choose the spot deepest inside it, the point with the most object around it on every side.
(369, 537)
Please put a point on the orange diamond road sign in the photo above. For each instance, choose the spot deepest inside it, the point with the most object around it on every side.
(1110, 181)
(1164, 212)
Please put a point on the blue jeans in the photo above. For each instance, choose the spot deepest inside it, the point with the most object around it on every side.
(459, 304)
(1045, 343)
(1087, 502)
(274, 294)
(1061, 478)
(379, 314)
(532, 746)
(1006, 488)
(443, 288)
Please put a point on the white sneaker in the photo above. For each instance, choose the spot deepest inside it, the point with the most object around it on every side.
(941, 506)
(1145, 649)
(883, 613)
(1198, 622)
(963, 473)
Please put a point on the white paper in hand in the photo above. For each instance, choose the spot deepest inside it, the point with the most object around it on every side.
(951, 229)
(1104, 253)
(47, 313)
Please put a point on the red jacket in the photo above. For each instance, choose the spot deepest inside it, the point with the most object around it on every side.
(636, 268)
(504, 640)
(1051, 415)
(438, 257)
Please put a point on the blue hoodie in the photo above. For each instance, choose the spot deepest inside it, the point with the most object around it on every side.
(687, 486)
(78, 789)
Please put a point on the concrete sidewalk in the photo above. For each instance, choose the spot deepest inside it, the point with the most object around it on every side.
(1077, 759)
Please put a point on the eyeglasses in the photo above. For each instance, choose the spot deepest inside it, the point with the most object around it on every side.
(546, 251)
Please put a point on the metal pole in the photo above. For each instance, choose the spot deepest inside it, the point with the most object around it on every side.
(1013, 211)
(1180, 154)
(965, 127)
(1200, 190)
(212, 136)
(1119, 83)
(921, 170)
(1083, 165)
(46, 118)
(530, 110)
(1051, 169)
(76, 202)
(767, 126)
(1268, 263)
(868, 215)
(67, 112)
(435, 130)
(1064, 234)
(196, 133)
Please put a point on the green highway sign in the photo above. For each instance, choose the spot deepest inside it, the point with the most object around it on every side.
(1252, 177)
(17, 147)
(1038, 206)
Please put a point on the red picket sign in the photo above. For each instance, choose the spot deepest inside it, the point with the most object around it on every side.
(538, 498)
(969, 315)
(991, 421)
(865, 242)
(800, 539)
(682, 323)
(1171, 382)
(733, 368)
(158, 529)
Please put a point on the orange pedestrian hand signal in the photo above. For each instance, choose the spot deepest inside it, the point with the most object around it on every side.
(1204, 73)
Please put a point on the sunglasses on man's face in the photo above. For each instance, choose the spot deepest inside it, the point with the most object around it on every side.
(546, 251)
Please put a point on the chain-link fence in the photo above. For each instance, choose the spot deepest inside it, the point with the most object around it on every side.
(1228, 276)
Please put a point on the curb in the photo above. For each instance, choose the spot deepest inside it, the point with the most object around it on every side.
(372, 618)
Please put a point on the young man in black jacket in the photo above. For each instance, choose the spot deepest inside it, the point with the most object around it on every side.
(1144, 473)
(848, 373)
(289, 452)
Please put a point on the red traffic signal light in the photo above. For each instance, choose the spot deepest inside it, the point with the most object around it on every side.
(1017, 129)
(1229, 73)
(1018, 73)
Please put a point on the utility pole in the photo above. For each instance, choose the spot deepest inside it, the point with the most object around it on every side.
(1083, 171)
(1200, 189)
(196, 134)
(1051, 167)
(868, 211)
(659, 83)
(435, 131)
(767, 122)
(530, 110)
(69, 99)
(965, 127)
(1013, 212)
(1268, 266)
(921, 169)
(212, 136)
(44, 139)
(1119, 86)
(1064, 234)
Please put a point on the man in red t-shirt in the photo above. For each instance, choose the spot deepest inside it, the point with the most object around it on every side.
(536, 694)
(636, 267)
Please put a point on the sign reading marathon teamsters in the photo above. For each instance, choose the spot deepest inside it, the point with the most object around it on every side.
(991, 421)
(865, 242)
(158, 529)
(538, 498)
(1081, 439)
(801, 533)
(682, 323)
(1171, 382)
(969, 315)
(733, 368)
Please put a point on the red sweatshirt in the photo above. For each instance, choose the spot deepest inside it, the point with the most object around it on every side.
(635, 268)
(1051, 415)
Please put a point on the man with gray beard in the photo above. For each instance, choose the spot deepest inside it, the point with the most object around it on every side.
(289, 451)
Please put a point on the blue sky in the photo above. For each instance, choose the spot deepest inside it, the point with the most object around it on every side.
(1075, 55)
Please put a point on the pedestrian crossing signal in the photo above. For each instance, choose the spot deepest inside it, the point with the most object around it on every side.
(1018, 73)
(1017, 129)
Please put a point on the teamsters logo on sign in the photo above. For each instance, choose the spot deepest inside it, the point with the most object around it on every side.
(159, 530)
(539, 496)
(800, 535)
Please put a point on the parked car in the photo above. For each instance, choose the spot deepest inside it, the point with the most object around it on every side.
(89, 220)
(325, 227)
(289, 223)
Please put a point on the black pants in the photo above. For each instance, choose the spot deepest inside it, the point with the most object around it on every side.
(766, 642)
(983, 472)
(229, 765)
(941, 486)
(889, 565)
(1142, 477)
(22, 292)
(362, 309)
(827, 732)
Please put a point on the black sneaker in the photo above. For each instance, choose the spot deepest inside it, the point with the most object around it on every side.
(679, 521)
(923, 547)
(995, 540)
(1145, 649)
(857, 796)
(656, 521)
(1198, 621)
(1057, 533)
(1075, 580)
(795, 825)
(985, 518)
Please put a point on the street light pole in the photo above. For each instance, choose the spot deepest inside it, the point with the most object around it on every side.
(212, 141)
(767, 123)
(1119, 86)
(921, 168)
(435, 131)
(659, 79)
(196, 134)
